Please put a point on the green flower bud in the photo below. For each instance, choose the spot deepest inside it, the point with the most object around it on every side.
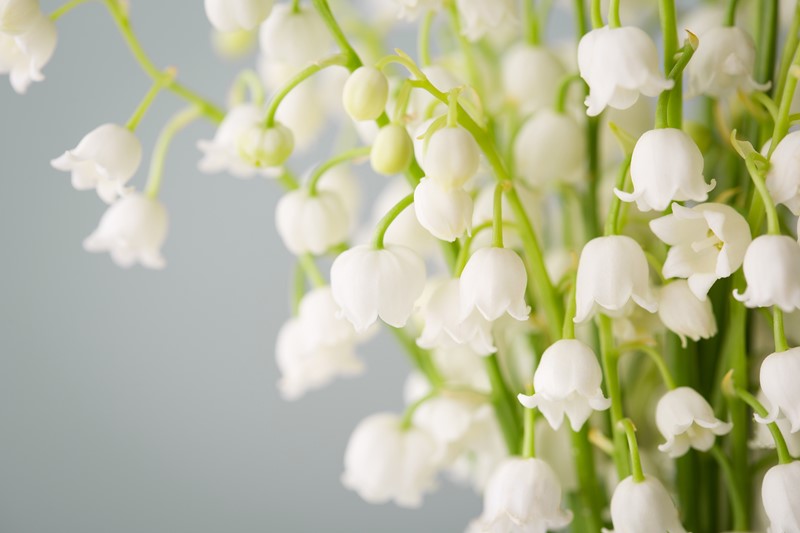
(365, 93)
(392, 150)
(266, 147)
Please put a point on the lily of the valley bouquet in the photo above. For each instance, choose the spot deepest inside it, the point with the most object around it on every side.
(586, 240)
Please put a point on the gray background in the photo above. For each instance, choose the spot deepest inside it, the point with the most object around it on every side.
(139, 401)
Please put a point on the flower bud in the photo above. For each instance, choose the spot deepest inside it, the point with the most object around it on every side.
(684, 314)
(493, 283)
(531, 77)
(392, 150)
(778, 378)
(567, 381)
(783, 177)
(446, 214)
(294, 37)
(666, 165)
(24, 56)
(18, 16)
(266, 147)
(365, 93)
(452, 157)
(311, 224)
(232, 15)
(644, 507)
(723, 63)
(779, 494)
(549, 149)
(772, 270)
(686, 420)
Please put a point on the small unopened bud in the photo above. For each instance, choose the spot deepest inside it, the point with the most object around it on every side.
(392, 150)
(365, 94)
(266, 147)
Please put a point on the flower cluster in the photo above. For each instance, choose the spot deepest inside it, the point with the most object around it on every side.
(528, 267)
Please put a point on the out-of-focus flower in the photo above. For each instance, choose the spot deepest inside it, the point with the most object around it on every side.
(549, 149)
(531, 77)
(23, 56)
(723, 63)
(18, 16)
(447, 214)
(480, 17)
(684, 314)
(311, 224)
(295, 37)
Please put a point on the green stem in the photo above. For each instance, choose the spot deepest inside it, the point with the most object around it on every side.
(633, 447)
(175, 124)
(779, 333)
(773, 223)
(792, 40)
(463, 253)
(563, 92)
(425, 38)
(568, 331)
(497, 217)
(388, 218)
(352, 61)
(420, 358)
(248, 79)
(784, 456)
(782, 123)
(531, 21)
(590, 493)
(408, 415)
(730, 13)
(64, 9)
(656, 358)
(614, 220)
(609, 358)
(613, 14)
(738, 503)
(298, 288)
(597, 15)
(505, 405)
(311, 270)
(529, 433)
(335, 161)
(143, 106)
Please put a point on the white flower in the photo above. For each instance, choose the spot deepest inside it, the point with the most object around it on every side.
(23, 56)
(386, 462)
(411, 10)
(319, 313)
(311, 224)
(723, 63)
(263, 147)
(686, 420)
(783, 177)
(452, 157)
(105, 160)
(549, 149)
(295, 38)
(232, 15)
(612, 271)
(406, 229)
(365, 93)
(618, 64)
(447, 214)
(493, 283)
(684, 314)
(666, 165)
(132, 230)
(781, 498)
(341, 181)
(708, 243)
(523, 496)
(772, 270)
(644, 507)
(392, 150)
(443, 326)
(567, 381)
(18, 16)
(368, 283)
(481, 17)
(532, 76)
(778, 378)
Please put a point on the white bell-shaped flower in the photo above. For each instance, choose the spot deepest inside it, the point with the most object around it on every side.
(386, 462)
(549, 149)
(778, 378)
(24, 56)
(783, 177)
(684, 313)
(368, 283)
(762, 437)
(411, 10)
(493, 283)
(365, 93)
(18, 16)
(132, 230)
(295, 37)
(392, 150)
(481, 17)
(644, 507)
(708, 242)
(320, 315)
(452, 157)
(105, 160)
(443, 326)
(341, 181)
(666, 165)
(262, 147)
(687, 420)
(781, 497)
(229, 16)
(532, 76)
(567, 381)
(612, 272)
(723, 64)
(619, 64)
(772, 270)
(311, 224)
(523, 496)
(447, 214)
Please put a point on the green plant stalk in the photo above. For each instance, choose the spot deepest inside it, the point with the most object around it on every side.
(531, 21)
(64, 9)
(352, 60)
(737, 501)
(311, 270)
(424, 43)
(420, 358)
(614, 219)
(633, 448)
(248, 79)
(792, 40)
(505, 405)
(143, 106)
(590, 493)
(497, 216)
(613, 14)
(388, 218)
(782, 122)
(529, 434)
(609, 359)
(344, 157)
(175, 124)
(730, 13)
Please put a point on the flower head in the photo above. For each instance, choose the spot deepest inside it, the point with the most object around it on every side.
(411, 10)
(229, 16)
(723, 63)
(295, 37)
(311, 224)
(105, 160)
(447, 214)
(644, 507)
(493, 283)
(685, 314)
(23, 56)
(567, 381)
(531, 76)
(783, 177)
(779, 496)
(18, 16)
(778, 378)
(686, 420)
(772, 270)
(549, 149)
(452, 157)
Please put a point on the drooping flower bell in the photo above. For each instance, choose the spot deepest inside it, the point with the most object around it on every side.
(684, 313)
(772, 270)
(24, 56)
(452, 157)
(619, 64)
(294, 37)
(18, 16)
(105, 160)
(708, 242)
(387, 462)
(392, 150)
(643, 507)
(229, 16)
(778, 378)
(369, 283)
(549, 149)
(266, 147)
(612, 271)
(723, 63)
(132, 230)
(311, 224)
(493, 284)
(783, 177)
(567, 381)
(686, 420)
(523, 496)
(365, 93)
(447, 214)
(479, 17)
(532, 76)
(666, 165)
(779, 495)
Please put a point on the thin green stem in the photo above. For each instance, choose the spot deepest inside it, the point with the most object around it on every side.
(738, 504)
(730, 13)
(408, 416)
(792, 40)
(298, 288)
(580, 18)
(143, 106)
(452, 108)
(633, 447)
(590, 493)
(344, 157)
(388, 218)
(779, 333)
(352, 60)
(425, 38)
(248, 79)
(531, 20)
(420, 358)
(782, 449)
(505, 405)
(66, 8)
(463, 254)
(773, 223)
(529, 432)
(563, 91)
(175, 124)
(613, 14)
(497, 217)
(614, 218)
(657, 359)
(465, 46)
(597, 15)
(568, 331)
(609, 359)
(311, 270)
(782, 123)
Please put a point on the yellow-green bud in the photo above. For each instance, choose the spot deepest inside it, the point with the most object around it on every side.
(266, 147)
(365, 93)
(392, 150)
